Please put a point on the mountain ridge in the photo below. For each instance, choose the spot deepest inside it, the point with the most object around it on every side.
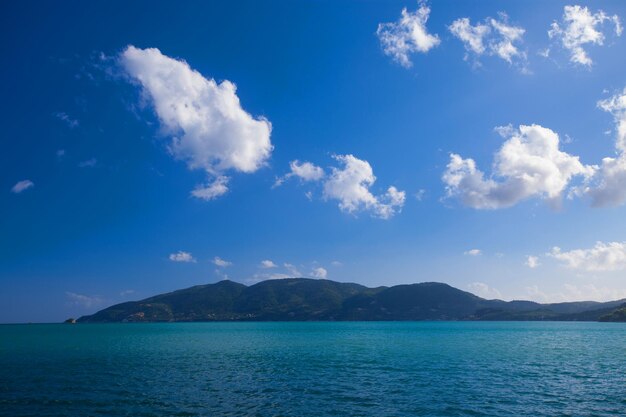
(306, 299)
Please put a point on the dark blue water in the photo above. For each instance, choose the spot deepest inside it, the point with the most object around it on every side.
(314, 369)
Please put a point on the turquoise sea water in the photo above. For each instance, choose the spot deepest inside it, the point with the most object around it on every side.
(314, 369)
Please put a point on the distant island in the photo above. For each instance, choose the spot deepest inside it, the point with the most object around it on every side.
(303, 299)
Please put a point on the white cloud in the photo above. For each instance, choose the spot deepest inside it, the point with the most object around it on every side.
(350, 185)
(221, 274)
(319, 272)
(532, 261)
(591, 292)
(83, 300)
(545, 53)
(268, 264)
(608, 186)
(529, 164)
(64, 117)
(580, 27)
(473, 252)
(60, 153)
(336, 263)
(306, 171)
(89, 163)
(126, 292)
(221, 262)
(504, 46)
(21, 186)
(572, 292)
(471, 36)
(212, 190)
(602, 257)
(483, 290)
(407, 35)
(265, 276)
(292, 269)
(208, 127)
(182, 256)
(535, 294)
(495, 37)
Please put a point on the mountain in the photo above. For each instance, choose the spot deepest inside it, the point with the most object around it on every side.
(303, 299)
(616, 315)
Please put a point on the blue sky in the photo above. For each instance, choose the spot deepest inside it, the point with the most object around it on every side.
(150, 147)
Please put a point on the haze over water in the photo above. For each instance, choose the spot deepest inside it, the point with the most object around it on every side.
(322, 369)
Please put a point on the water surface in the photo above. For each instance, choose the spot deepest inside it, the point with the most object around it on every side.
(316, 369)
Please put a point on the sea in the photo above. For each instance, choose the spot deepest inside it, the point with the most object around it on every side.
(314, 369)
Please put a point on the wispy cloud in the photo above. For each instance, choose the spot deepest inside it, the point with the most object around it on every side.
(483, 290)
(22, 186)
(65, 118)
(85, 301)
(494, 37)
(88, 163)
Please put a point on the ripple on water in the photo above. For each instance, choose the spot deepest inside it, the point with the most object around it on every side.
(321, 369)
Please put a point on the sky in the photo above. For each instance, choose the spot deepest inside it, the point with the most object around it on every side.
(153, 146)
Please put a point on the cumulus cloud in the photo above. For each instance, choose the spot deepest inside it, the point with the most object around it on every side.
(483, 290)
(580, 27)
(408, 35)
(532, 261)
(221, 262)
(268, 264)
(494, 37)
(319, 272)
(602, 257)
(350, 185)
(22, 186)
(209, 129)
(182, 256)
(529, 164)
(608, 186)
(306, 171)
(473, 252)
